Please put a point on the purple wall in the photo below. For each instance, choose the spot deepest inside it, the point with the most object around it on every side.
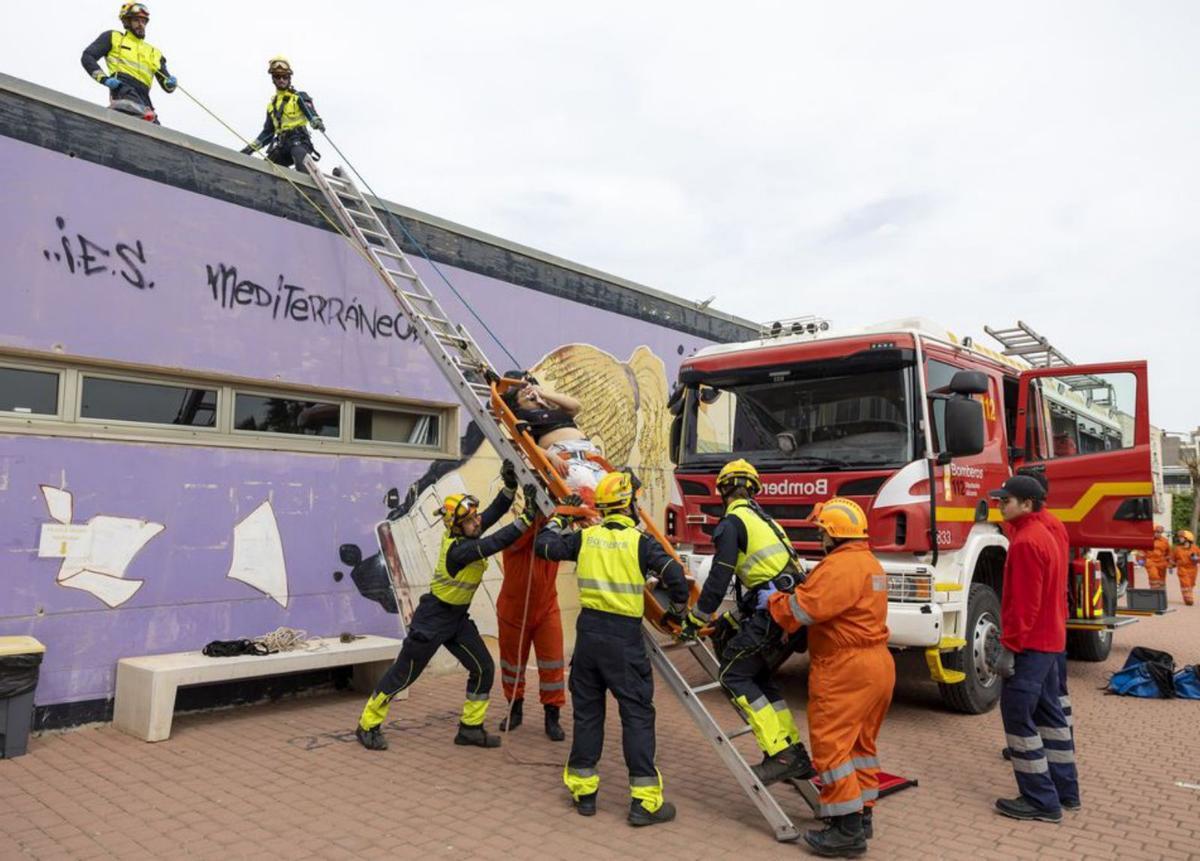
(155, 253)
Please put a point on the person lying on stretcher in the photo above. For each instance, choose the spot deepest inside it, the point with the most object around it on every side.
(551, 420)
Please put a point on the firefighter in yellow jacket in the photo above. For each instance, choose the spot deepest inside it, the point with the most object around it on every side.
(612, 561)
(289, 114)
(133, 63)
(443, 616)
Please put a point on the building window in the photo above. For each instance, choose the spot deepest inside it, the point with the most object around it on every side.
(29, 392)
(268, 414)
(372, 424)
(152, 403)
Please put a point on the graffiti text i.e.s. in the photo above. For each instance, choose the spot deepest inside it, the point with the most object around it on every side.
(83, 256)
(293, 303)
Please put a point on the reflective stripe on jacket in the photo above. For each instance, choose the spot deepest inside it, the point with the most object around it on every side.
(285, 111)
(765, 555)
(610, 576)
(460, 588)
(134, 57)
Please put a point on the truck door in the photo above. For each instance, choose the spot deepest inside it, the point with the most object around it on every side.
(1088, 428)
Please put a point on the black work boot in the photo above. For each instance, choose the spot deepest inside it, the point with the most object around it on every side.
(553, 727)
(791, 763)
(371, 739)
(639, 815)
(868, 824)
(514, 717)
(843, 837)
(585, 805)
(1022, 808)
(476, 735)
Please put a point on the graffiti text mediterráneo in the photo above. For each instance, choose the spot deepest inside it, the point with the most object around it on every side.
(294, 303)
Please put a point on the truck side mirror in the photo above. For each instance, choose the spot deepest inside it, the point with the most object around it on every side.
(964, 426)
(969, 383)
(676, 439)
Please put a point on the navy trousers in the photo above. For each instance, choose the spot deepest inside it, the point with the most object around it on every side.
(1038, 733)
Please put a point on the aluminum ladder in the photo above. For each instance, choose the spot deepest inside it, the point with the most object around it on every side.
(454, 351)
(720, 739)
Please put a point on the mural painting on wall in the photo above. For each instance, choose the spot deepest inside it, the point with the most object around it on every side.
(624, 413)
(96, 554)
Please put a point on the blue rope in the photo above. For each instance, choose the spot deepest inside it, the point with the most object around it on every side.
(421, 249)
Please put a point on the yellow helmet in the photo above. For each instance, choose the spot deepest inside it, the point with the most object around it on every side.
(840, 517)
(739, 473)
(279, 64)
(133, 10)
(1186, 535)
(615, 490)
(456, 508)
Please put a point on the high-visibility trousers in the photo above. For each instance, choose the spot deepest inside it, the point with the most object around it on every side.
(1038, 733)
(849, 692)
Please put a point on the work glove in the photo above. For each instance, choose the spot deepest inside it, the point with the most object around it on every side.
(1005, 664)
(764, 594)
(691, 626)
(508, 474)
(170, 84)
(318, 124)
(112, 82)
(531, 499)
(572, 500)
(674, 615)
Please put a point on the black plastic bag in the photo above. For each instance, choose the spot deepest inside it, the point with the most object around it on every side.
(19, 674)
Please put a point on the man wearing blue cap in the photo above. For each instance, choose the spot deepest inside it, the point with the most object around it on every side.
(1033, 616)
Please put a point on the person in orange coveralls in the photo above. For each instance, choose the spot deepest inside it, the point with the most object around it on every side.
(844, 604)
(1156, 560)
(542, 625)
(1184, 558)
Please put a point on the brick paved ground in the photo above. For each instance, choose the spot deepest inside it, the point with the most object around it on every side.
(288, 778)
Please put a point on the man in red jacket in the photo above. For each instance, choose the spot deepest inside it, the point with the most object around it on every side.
(1033, 614)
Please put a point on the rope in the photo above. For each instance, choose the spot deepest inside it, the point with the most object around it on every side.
(284, 639)
(421, 250)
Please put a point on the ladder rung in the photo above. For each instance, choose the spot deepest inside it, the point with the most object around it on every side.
(740, 731)
(703, 689)
(366, 232)
(420, 297)
(399, 255)
(406, 275)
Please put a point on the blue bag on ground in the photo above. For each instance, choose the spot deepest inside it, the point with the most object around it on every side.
(1147, 673)
(1187, 683)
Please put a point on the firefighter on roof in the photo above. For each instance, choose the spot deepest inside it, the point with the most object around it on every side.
(752, 546)
(843, 603)
(133, 63)
(442, 619)
(289, 114)
(612, 561)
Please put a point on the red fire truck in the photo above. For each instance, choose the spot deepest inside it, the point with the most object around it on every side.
(917, 425)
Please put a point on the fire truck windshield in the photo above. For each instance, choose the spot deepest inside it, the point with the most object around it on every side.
(802, 417)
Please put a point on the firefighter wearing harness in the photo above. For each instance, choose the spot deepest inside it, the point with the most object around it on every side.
(289, 114)
(843, 603)
(442, 616)
(755, 549)
(612, 561)
(133, 63)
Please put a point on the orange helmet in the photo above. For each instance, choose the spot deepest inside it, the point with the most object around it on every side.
(1185, 535)
(615, 490)
(134, 10)
(839, 517)
(456, 508)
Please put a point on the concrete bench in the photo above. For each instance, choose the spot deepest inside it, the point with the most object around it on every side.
(144, 703)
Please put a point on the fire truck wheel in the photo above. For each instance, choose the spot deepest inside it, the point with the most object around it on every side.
(980, 691)
(1091, 646)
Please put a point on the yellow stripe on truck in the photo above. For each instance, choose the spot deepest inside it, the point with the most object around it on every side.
(1074, 514)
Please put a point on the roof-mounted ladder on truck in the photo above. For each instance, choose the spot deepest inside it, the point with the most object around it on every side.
(471, 376)
(1087, 592)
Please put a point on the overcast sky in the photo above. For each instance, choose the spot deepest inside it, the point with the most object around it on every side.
(973, 163)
